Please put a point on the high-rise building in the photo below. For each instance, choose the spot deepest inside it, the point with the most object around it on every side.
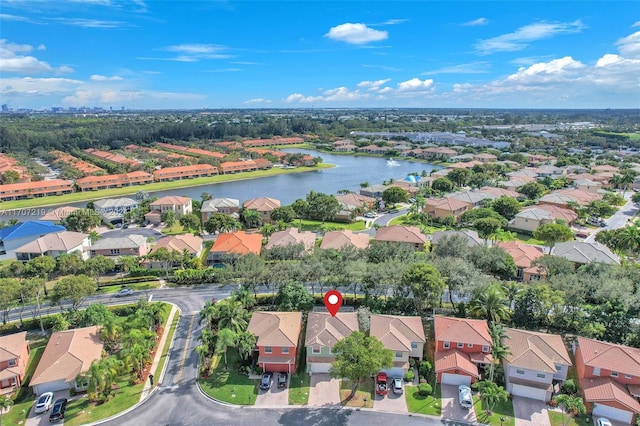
(5, 108)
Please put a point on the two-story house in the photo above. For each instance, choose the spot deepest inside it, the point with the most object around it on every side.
(323, 331)
(180, 206)
(228, 206)
(408, 235)
(14, 354)
(263, 205)
(462, 346)
(609, 377)
(537, 362)
(442, 207)
(114, 247)
(278, 335)
(404, 336)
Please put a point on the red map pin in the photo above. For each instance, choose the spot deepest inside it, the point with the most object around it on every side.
(333, 301)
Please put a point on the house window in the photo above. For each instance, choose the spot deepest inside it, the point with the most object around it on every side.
(520, 372)
(268, 349)
(414, 345)
(460, 345)
(469, 345)
(285, 350)
(614, 374)
(627, 376)
(541, 375)
(315, 350)
(12, 363)
(398, 354)
(596, 371)
(114, 251)
(93, 252)
(485, 348)
(558, 367)
(446, 345)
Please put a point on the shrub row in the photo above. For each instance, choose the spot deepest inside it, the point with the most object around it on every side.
(128, 280)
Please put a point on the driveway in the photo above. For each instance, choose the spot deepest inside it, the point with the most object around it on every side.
(43, 419)
(273, 396)
(324, 390)
(530, 412)
(391, 402)
(451, 410)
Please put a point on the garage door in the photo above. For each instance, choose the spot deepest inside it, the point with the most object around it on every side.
(51, 387)
(612, 413)
(318, 367)
(455, 379)
(527, 392)
(394, 372)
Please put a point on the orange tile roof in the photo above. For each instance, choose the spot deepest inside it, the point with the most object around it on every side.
(620, 358)
(397, 332)
(535, 351)
(603, 389)
(523, 254)
(121, 177)
(292, 236)
(189, 242)
(325, 330)
(337, 240)
(449, 204)
(455, 360)
(261, 204)
(11, 345)
(238, 242)
(556, 212)
(35, 185)
(276, 328)
(401, 234)
(190, 168)
(449, 329)
(171, 200)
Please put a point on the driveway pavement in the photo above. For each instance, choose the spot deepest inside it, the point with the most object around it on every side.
(324, 390)
(391, 402)
(529, 412)
(273, 396)
(451, 409)
(43, 419)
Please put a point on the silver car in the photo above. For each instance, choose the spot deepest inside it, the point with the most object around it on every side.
(464, 396)
(44, 402)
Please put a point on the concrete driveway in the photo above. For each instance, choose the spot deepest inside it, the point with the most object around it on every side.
(324, 390)
(391, 402)
(43, 419)
(274, 396)
(530, 412)
(451, 409)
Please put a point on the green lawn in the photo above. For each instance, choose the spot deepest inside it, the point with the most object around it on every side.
(529, 239)
(501, 410)
(363, 396)
(157, 186)
(145, 285)
(299, 389)
(556, 419)
(177, 229)
(229, 385)
(316, 225)
(416, 403)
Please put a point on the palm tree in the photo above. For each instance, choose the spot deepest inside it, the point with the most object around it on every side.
(251, 218)
(246, 344)
(110, 334)
(135, 357)
(202, 351)
(489, 304)
(244, 296)
(267, 230)
(573, 404)
(208, 314)
(511, 290)
(5, 403)
(499, 351)
(629, 239)
(226, 338)
(232, 315)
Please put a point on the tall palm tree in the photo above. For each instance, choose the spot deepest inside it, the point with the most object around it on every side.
(511, 290)
(202, 351)
(110, 334)
(499, 350)
(226, 338)
(232, 315)
(5, 403)
(244, 296)
(489, 304)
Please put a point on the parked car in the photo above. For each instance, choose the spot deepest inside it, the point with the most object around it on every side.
(603, 422)
(396, 385)
(464, 396)
(125, 226)
(124, 292)
(265, 382)
(581, 235)
(603, 224)
(282, 380)
(370, 215)
(59, 408)
(44, 402)
(381, 383)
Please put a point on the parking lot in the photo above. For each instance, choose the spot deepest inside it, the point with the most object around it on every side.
(451, 408)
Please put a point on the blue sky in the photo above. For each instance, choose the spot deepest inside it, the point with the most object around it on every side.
(302, 54)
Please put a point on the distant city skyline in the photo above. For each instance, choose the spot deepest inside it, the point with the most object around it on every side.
(140, 54)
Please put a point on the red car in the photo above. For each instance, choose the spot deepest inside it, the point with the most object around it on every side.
(381, 384)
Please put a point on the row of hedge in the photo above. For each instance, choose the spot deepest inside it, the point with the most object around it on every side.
(128, 280)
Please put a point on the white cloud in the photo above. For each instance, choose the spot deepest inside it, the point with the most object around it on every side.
(394, 21)
(356, 33)
(98, 77)
(257, 101)
(415, 85)
(42, 47)
(192, 52)
(13, 60)
(91, 23)
(194, 48)
(629, 46)
(635, 24)
(476, 22)
(29, 86)
(480, 67)
(373, 86)
(523, 36)
(7, 17)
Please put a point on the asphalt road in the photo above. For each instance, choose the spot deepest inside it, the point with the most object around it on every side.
(619, 219)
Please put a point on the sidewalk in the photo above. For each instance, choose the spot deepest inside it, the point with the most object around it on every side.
(156, 359)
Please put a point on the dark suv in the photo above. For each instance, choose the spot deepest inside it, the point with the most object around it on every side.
(57, 413)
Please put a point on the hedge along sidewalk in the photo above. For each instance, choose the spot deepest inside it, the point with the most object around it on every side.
(156, 359)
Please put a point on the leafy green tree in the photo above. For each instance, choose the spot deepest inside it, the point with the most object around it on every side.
(40, 267)
(246, 344)
(452, 246)
(322, 206)
(95, 314)
(486, 227)
(301, 207)
(553, 265)
(97, 266)
(636, 198)
(226, 338)
(470, 216)
(395, 194)
(493, 260)
(424, 283)
(532, 190)
(251, 218)
(69, 263)
(358, 357)
(284, 213)
(5, 404)
(507, 207)
(168, 217)
(9, 293)
(552, 233)
(190, 221)
(491, 394)
(75, 288)
(82, 220)
(10, 176)
(221, 222)
(571, 404)
(442, 184)
(459, 176)
(600, 208)
(293, 297)
(165, 257)
(489, 304)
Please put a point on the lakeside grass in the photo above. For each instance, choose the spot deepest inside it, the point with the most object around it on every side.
(417, 403)
(58, 200)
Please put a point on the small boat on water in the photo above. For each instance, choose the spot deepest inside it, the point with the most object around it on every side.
(392, 162)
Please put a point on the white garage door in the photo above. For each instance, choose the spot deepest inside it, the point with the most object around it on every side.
(51, 387)
(394, 372)
(455, 379)
(318, 367)
(527, 392)
(612, 413)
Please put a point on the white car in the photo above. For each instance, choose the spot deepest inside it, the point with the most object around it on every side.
(124, 292)
(603, 422)
(44, 402)
(464, 396)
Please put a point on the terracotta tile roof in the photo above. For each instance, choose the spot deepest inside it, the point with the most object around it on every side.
(194, 151)
(604, 389)
(357, 200)
(401, 234)
(11, 345)
(448, 329)
(171, 200)
(117, 178)
(325, 330)
(292, 236)
(535, 351)
(200, 168)
(555, 212)
(345, 238)
(189, 242)
(523, 254)
(499, 192)
(68, 354)
(238, 242)
(450, 204)
(397, 332)
(58, 241)
(455, 360)
(216, 203)
(58, 214)
(276, 328)
(261, 204)
(583, 197)
(620, 358)
(53, 184)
